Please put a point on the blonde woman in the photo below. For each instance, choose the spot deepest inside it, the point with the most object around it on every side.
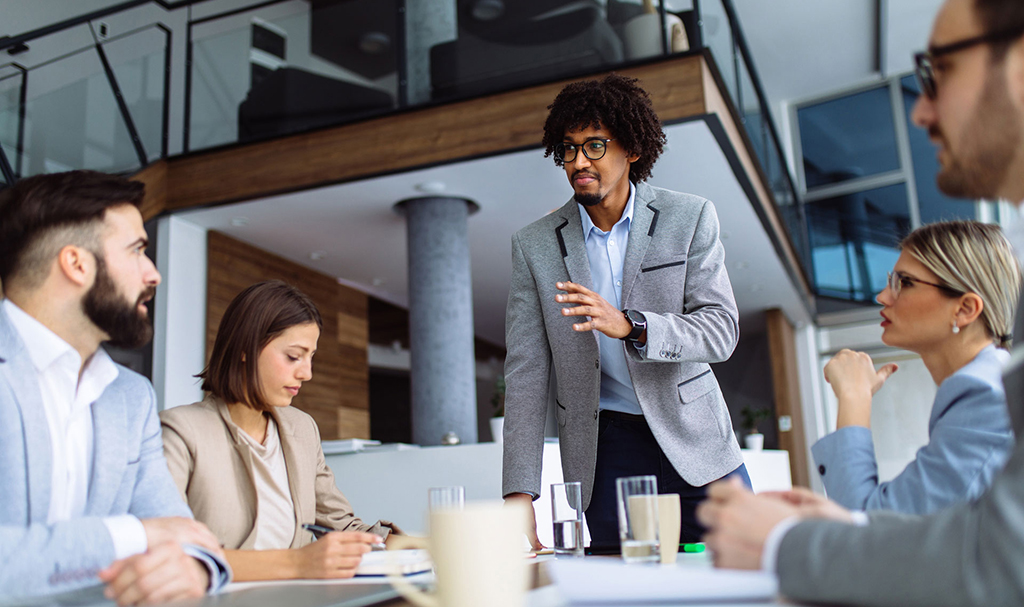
(951, 299)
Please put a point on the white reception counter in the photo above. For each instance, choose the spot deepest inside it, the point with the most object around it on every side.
(393, 485)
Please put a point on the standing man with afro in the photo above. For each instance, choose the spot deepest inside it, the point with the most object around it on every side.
(619, 301)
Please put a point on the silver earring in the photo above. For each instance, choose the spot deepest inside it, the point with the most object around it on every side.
(956, 329)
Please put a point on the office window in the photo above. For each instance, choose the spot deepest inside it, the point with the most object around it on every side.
(868, 179)
(848, 137)
(854, 240)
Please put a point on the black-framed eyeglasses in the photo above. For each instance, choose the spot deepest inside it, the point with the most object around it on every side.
(593, 149)
(925, 62)
(897, 280)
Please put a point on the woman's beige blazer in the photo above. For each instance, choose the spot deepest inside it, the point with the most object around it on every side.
(212, 466)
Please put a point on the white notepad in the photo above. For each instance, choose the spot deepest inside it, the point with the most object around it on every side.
(392, 562)
(602, 581)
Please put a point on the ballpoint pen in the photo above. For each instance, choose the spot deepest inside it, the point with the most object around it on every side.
(319, 531)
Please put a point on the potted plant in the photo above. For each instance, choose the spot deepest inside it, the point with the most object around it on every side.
(753, 439)
(498, 417)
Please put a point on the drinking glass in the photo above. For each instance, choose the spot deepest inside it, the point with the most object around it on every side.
(567, 518)
(446, 498)
(637, 501)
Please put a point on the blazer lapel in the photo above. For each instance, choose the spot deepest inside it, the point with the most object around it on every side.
(573, 249)
(1013, 375)
(246, 454)
(641, 231)
(110, 455)
(21, 375)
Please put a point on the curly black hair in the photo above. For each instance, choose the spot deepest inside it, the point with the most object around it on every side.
(617, 104)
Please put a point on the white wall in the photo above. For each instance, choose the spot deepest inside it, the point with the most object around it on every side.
(179, 339)
(901, 408)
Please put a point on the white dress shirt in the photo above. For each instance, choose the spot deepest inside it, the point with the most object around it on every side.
(67, 402)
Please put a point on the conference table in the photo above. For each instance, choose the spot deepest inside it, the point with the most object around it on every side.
(362, 592)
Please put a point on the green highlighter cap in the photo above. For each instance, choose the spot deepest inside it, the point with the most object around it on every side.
(691, 547)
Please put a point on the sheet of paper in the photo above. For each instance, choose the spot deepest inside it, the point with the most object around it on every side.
(597, 581)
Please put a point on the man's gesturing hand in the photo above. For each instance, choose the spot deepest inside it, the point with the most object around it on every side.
(603, 316)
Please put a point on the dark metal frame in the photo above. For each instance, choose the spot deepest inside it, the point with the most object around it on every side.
(19, 146)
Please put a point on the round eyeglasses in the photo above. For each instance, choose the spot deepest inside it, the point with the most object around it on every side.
(898, 280)
(594, 149)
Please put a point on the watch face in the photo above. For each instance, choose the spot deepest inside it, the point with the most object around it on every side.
(636, 317)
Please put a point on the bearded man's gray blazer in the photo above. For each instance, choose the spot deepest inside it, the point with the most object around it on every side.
(674, 272)
(129, 476)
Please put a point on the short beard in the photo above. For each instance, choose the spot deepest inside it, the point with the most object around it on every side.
(588, 200)
(112, 314)
(990, 145)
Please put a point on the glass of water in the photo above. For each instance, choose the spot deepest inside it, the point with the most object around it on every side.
(446, 498)
(637, 501)
(567, 517)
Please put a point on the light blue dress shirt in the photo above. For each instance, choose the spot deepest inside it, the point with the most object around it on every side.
(606, 252)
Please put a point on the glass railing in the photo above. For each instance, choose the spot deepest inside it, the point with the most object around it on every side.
(723, 37)
(289, 66)
(101, 106)
(255, 70)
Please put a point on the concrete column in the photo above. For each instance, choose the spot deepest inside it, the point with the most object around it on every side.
(440, 319)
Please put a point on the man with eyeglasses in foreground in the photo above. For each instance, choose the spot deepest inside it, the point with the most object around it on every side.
(972, 103)
(620, 299)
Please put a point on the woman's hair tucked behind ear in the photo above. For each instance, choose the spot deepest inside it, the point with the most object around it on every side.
(253, 318)
(973, 257)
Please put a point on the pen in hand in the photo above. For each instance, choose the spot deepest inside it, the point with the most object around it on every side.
(319, 531)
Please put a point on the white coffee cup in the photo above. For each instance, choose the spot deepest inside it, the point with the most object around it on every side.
(478, 557)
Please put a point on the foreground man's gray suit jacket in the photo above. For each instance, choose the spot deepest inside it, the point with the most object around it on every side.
(674, 272)
(971, 554)
(129, 476)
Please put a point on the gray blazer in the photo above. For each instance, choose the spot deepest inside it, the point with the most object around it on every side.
(129, 476)
(674, 272)
(969, 439)
(972, 554)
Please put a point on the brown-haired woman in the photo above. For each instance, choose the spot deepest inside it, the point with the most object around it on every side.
(249, 465)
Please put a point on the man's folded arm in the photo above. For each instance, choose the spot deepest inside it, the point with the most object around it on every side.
(44, 559)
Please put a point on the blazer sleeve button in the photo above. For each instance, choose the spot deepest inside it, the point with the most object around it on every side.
(597, 364)
(596, 411)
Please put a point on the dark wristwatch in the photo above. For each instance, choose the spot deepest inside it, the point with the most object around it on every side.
(639, 322)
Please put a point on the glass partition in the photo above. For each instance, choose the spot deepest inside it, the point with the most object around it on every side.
(139, 63)
(288, 67)
(12, 91)
(63, 113)
(716, 33)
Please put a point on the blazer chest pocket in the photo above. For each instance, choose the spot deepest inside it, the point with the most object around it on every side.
(677, 262)
(697, 386)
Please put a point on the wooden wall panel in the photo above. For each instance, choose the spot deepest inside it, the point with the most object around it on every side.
(338, 395)
(786, 389)
(493, 124)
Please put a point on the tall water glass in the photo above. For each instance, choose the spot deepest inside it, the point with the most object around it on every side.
(637, 501)
(446, 498)
(567, 518)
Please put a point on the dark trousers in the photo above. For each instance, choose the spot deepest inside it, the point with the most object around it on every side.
(626, 447)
